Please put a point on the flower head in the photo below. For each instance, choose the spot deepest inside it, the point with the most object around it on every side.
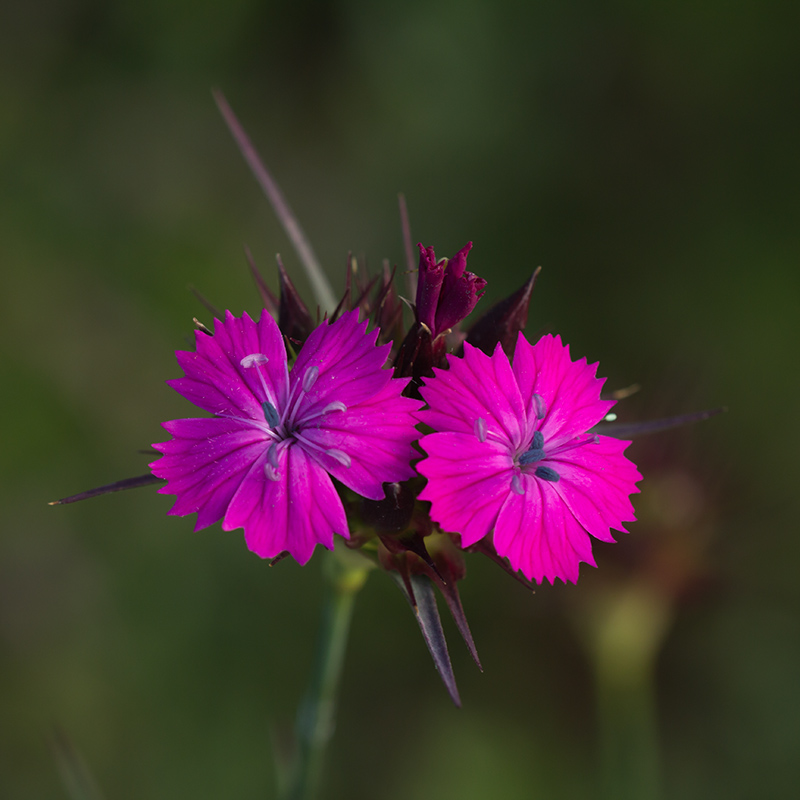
(265, 460)
(512, 456)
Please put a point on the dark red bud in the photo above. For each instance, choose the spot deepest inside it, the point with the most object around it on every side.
(460, 292)
(429, 285)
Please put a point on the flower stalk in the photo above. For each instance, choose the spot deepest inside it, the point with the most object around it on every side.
(624, 636)
(345, 573)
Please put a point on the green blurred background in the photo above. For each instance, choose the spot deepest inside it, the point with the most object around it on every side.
(645, 154)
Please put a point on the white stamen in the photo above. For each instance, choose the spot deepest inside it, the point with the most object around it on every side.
(310, 378)
(610, 417)
(253, 423)
(578, 442)
(256, 360)
(271, 473)
(340, 456)
(336, 405)
(253, 359)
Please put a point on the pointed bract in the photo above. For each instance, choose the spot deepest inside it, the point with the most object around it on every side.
(294, 319)
(504, 320)
(418, 590)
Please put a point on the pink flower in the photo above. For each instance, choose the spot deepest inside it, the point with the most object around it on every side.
(264, 461)
(512, 457)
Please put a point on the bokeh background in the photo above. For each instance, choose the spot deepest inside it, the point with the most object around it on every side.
(644, 153)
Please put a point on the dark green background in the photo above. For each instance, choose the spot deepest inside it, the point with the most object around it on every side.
(645, 154)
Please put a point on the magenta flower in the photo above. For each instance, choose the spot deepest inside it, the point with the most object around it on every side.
(264, 461)
(512, 456)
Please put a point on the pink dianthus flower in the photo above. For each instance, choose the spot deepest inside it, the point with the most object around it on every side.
(264, 461)
(512, 455)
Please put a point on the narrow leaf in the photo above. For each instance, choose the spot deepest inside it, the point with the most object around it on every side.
(450, 592)
(504, 320)
(627, 430)
(75, 775)
(267, 297)
(319, 282)
(119, 486)
(206, 303)
(408, 247)
(423, 600)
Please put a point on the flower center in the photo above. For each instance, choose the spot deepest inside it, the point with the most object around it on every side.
(285, 427)
(536, 452)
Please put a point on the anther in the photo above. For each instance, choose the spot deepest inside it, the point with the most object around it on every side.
(256, 360)
(516, 485)
(480, 429)
(340, 456)
(310, 378)
(253, 359)
(535, 452)
(270, 414)
(547, 474)
(271, 473)
(541, 406)
(531, 457)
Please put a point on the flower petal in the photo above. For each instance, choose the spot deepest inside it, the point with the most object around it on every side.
(468, 482)
(215, 378)
(539, 536)
(596, 481)
(293, 513)
(204, 464)
(349, 364)
(475, 386)
(570, 390)
(376, 435)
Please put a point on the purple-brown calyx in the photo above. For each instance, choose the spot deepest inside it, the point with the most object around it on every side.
(446, 292)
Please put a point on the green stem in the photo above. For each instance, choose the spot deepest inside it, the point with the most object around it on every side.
(345, 573)
(629, 628)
